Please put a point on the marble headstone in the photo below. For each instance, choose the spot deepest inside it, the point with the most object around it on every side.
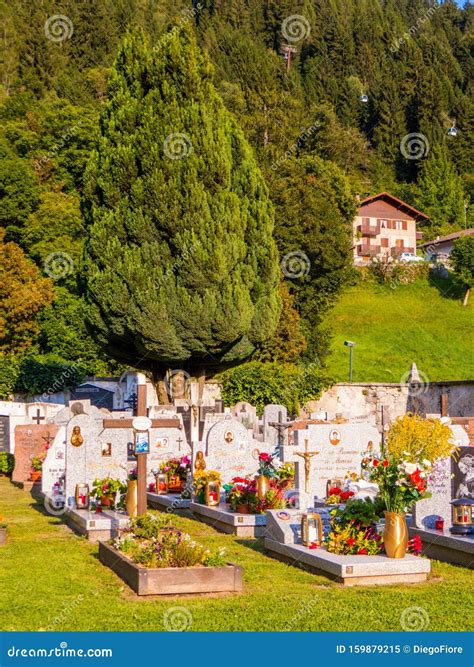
(230, 449)
(427, 511)
(340, 448)
(31, 440)
(54, 466)
(247, 414)
(463, 473)
(273, 413)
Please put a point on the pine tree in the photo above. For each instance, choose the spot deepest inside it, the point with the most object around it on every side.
(181, 270)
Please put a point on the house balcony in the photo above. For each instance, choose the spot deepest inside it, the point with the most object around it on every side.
(365, 250)
(369, 230)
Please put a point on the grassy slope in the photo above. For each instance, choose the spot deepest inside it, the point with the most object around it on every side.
(51, 579)
(421, 322)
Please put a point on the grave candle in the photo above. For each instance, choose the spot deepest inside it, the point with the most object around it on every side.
(212, 494)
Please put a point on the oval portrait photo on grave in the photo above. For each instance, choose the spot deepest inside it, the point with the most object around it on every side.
(334, 437)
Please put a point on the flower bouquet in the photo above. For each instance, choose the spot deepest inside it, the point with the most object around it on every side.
(177, 470)
(201, 479)
(108, 492)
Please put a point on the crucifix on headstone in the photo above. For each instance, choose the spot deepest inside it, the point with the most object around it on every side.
(37, 418)
(179, 441)
(280, 426)
(307, 456)
(48, 439)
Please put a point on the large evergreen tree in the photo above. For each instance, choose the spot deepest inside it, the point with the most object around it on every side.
(180, 269)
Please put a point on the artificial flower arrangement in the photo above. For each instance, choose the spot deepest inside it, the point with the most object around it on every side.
(150, 541)
(353, 529)
(337, 496)
(266, 465)
(37, 463)
(201, 478)
(132, 474)
(286, 474)
(108, 492)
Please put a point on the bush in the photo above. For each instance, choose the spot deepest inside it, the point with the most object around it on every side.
(9, 370)
(262, 383)
(7, 463)
(396, 274)
(46, 375)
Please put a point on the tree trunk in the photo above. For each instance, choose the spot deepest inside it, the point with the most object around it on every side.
(158, 379)
(466, 297)
(201, 378)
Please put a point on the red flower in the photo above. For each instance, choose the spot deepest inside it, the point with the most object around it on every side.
(362, 552)
(334, 491)
(385, 463)
(313, 545)
(375, 462)
(350, 541)
(346, 494)
(264, 457)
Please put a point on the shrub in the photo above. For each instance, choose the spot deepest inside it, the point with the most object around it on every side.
(7, 463)
(412, 438)
(262, 383)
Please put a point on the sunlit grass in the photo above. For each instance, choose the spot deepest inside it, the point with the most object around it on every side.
(51, 579)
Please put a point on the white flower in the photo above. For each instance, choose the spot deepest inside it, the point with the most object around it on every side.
(410, 468)
(426, 463)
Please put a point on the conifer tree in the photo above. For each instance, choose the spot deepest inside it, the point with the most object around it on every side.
(180, 267)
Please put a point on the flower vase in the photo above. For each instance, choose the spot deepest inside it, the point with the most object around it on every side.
(106, 501)
(263, 485)
(35, 476)
(131, 501)
(395, 535)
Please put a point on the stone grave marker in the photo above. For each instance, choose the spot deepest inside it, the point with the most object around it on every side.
(229, 448)
(247, 414)
(340, 448)
(54, 466)
(4, 433)
(31, 440)
(463, 473)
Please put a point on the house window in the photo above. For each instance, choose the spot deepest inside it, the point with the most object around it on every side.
(384, 243)
(404, 225)
(399, 243)
(383, 224)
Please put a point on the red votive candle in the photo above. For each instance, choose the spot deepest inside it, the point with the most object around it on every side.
(439, 524)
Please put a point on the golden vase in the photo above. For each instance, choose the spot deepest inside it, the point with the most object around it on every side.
(263, 484)
(131, 501)
(395, 535)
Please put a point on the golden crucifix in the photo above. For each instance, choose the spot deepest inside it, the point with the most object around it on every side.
(307, 464)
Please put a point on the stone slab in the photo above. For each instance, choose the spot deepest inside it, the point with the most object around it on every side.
(30, 441)
(221, 518)
(445, 547)
(167, 502)
(96, 525)
(354, 570)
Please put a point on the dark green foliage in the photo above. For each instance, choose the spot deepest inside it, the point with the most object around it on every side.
(180, 266)
(462, 259)
(261, 383)
(9, 370)
(46, 376)
(7, 463)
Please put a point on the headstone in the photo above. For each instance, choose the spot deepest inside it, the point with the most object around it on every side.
(54, 466)
(185, 413)
(246, 413)
(463, 473)
(340, 448)
(31, 440)
(230, 449)
(4, 433)
(427, 511)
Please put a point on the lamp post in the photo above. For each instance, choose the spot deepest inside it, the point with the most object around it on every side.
(350, 344)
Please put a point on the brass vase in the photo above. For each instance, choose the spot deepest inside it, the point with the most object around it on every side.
(263, 484)
(131, 501)
(395, 535)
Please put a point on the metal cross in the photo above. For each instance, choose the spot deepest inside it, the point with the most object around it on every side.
(307, 464)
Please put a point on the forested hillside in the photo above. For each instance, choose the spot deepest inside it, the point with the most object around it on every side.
(325, 127)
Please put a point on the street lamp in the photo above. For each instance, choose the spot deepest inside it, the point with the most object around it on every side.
(350, 344)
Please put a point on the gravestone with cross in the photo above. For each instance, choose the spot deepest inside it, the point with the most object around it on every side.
(274, 419)
(230, 449)
(31, 440)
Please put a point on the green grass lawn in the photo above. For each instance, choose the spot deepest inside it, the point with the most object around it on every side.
(421, 322)
(50, 579)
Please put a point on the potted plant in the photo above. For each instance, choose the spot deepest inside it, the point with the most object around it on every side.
(131, 500)
(240, 493)
(36, 467)
(105, 491)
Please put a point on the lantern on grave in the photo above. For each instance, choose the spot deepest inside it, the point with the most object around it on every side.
(311, 529)
(82, 496)
(212, 494)
(161, 483)
(462, 516)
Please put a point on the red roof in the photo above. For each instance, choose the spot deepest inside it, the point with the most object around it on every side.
(449, 237)
(398, 202)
